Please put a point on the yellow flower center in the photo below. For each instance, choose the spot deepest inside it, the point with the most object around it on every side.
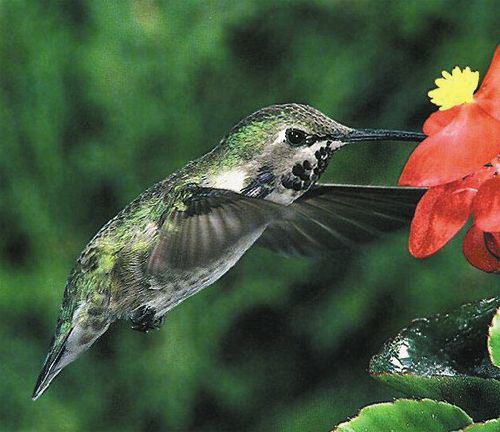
(454, 89)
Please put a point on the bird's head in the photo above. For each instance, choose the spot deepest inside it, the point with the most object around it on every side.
(284, 149)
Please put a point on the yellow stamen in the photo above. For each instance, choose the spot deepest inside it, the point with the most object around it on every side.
(454, 89)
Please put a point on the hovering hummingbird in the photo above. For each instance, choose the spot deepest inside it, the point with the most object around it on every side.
(182, 234)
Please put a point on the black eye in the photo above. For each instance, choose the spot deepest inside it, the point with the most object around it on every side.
(295, 137)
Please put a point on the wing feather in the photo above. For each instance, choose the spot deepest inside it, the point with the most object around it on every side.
(211, 223)
(332, 217)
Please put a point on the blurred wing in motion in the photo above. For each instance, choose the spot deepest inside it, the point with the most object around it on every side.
(331, 217)
(207, 226)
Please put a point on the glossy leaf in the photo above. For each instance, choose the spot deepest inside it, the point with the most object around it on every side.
(406, 415)
(494, 340)
(445, 357)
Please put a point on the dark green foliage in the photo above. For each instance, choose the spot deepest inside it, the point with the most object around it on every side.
(494, 340)
(98, 100)
(446, 357)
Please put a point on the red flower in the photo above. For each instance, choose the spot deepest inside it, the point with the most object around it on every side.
(482, 249)
(445, 209)
(460, 139)
(487, 204)
(460, 162)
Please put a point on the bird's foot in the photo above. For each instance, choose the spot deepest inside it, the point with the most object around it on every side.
(144, 319)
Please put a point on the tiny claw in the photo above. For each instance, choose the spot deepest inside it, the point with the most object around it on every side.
(145, 320)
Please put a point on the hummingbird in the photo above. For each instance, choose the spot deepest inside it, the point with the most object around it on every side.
(259, 185)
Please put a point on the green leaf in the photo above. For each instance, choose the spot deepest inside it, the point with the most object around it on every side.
(445, 357)
(407, 415)
(494, 339)
(489, 426)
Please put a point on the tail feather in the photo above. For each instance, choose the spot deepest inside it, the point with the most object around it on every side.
(66, 346)
(52, 366)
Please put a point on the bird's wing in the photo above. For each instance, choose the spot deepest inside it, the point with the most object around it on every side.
(205, 224)
(330, 217)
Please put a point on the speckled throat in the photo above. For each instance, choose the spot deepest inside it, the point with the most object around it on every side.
(304, 174)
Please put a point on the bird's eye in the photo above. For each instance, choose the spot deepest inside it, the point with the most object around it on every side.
(296, 137)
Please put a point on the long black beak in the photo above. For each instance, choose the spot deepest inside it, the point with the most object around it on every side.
(382, 135)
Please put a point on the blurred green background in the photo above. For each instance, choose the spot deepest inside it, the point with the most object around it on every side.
(100, 99)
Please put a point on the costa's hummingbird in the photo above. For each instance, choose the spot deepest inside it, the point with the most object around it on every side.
(258, 185)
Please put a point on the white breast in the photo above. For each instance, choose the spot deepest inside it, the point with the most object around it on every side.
(233, 179)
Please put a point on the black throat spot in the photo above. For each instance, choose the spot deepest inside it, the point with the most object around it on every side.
(303, 174)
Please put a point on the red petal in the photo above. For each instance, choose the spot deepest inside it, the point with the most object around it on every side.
(486, 206)
(467, 143)
(488, 96)
(439, 119)
(492, 241)
(476, 252)
(439, 215)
